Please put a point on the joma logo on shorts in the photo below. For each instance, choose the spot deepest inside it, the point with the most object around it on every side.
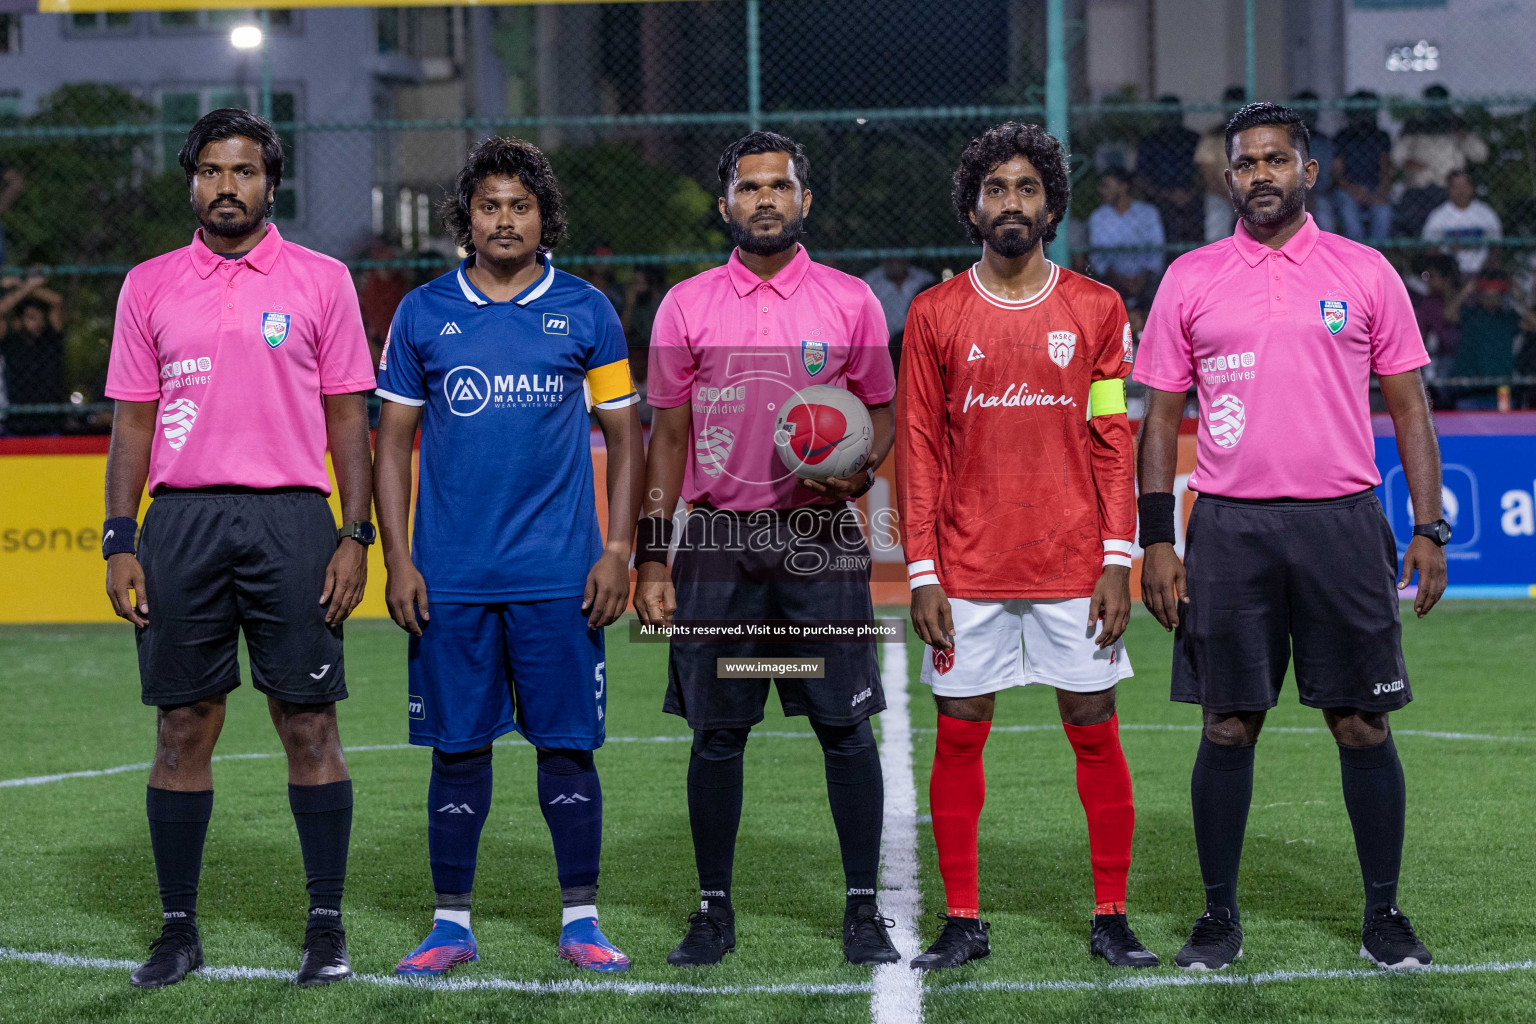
(861, 697)
(1392, 687)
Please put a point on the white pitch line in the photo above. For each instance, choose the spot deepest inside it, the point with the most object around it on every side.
(1140, 982)
(1143, 982)
(39, 780)
(571, 987)
(898, 990)
(1292, 729)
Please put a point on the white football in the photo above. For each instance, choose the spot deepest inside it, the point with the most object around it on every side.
(823, 431)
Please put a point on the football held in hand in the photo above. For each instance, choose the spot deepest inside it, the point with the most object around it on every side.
(823, 431)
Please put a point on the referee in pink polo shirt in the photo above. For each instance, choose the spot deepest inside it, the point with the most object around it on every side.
(236, 361)
(1279, 329)
(729, 347)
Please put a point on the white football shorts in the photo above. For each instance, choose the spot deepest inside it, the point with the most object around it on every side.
(1057, 649)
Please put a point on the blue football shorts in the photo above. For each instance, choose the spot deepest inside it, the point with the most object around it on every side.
(479, 671)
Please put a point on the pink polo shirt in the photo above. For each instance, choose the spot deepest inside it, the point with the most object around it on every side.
(239, 354)
(1281, 344)
(737, 347)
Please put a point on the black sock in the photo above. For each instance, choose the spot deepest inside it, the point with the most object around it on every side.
(1377, 802)
(856, 791)
(323, 815)
(1221, 788)
(178, 824)
(714, 809)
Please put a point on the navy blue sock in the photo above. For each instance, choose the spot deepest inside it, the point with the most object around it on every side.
(572, 801)
(323, 816)
(458, 801)
(178, 824)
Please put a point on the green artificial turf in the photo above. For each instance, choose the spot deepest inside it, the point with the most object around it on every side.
(80, 882)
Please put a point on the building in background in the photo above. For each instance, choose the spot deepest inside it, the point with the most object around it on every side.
(335, 66)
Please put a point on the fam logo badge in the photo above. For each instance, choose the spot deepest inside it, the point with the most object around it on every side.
(557, 323)
(1226, 420)
(1335, 314)
(467, 389)
(1129, 341)
(274, 327)
(712, 448)
(814, 355)
(1060, 345)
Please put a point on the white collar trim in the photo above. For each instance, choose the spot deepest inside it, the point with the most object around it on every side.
(1033, 300)
(544, 282)
(469, 293)
(537, 290)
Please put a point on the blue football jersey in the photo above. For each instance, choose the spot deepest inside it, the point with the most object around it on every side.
(505, 508)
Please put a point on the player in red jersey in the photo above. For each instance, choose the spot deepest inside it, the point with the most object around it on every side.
(1018, 507)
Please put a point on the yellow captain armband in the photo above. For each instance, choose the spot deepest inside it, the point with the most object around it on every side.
(610, 386)
(1106, 397)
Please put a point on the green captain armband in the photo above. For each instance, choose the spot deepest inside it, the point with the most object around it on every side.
(1106, 397)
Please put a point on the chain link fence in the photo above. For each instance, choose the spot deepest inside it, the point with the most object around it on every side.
(634, 111)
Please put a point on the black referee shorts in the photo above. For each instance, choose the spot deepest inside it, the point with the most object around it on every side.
(223, 560)
(1269, 578)
(807, 565)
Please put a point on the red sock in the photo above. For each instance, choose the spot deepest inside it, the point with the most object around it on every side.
(956, 791)
(1104, 786)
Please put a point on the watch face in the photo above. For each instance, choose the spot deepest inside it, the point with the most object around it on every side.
(366, 532)
(1443, 531)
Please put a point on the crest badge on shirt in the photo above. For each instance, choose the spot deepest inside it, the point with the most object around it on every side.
(1060, 345)
(814, 355)
(1335, 314)
(274, 327)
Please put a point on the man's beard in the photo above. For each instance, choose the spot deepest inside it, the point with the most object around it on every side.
(787, 236)
(1291, 203)
(232, 228)
(1006, 238)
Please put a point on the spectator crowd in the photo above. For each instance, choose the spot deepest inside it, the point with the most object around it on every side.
(1418, 193)
(1413, 190)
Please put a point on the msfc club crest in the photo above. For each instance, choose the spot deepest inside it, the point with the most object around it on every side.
(943, 659)
(274, 327)
(1335, 314)
(1060, 345)
(814, 355)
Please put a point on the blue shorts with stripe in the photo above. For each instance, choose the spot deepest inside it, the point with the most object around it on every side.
(479, 671)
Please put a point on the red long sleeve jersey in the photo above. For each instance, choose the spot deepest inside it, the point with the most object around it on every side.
(1007, 487)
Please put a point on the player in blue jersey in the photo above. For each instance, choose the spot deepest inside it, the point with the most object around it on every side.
(508, 584)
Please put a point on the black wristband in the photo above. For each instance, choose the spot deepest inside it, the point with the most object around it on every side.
(863, 489)
(117, 536)
(1156, 513)
(653, 540)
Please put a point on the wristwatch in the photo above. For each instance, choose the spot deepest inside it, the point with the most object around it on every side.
(1438, 531)
(362, 532)
(863, 489)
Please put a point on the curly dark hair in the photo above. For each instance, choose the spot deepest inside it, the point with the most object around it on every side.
(1257, 115)
(234, 123)
(509, 157)
(998, 145)
(763, 142)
